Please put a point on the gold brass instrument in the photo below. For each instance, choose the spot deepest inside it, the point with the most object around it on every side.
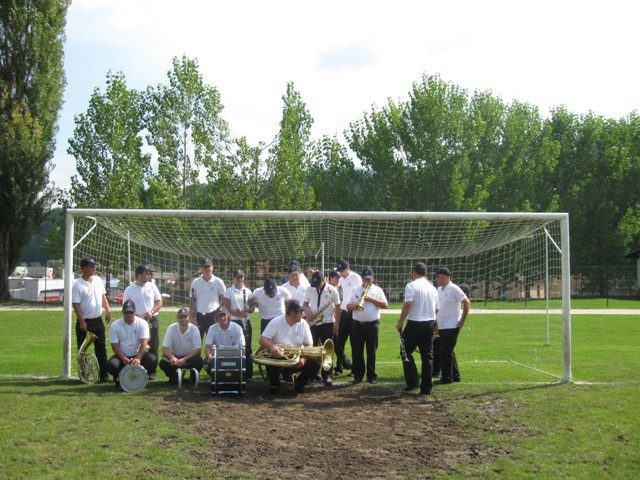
(318, 316)
(88, 367)
(292, 355)
(365, 291)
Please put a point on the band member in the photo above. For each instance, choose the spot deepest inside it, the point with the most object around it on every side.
(450, 320)
(271, 301)
(322, 304)
(236, 301)
(365, 304)
(223, 333)
(348, 281)
(303, 279)
(294, 284)
(205, 296)
(420, 308)
(292, 330)
(148, 301)
(181, 347)
(88, 298)
(129, 338)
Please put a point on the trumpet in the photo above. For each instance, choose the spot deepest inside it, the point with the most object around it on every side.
(88, 366)
(318, 317)
(292, 355)
(365, 291)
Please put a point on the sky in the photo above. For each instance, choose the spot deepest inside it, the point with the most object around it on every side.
(345, 57)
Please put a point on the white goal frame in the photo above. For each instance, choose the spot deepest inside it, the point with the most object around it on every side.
(563, 248)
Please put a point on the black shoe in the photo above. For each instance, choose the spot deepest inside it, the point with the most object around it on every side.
(328, 381)
(456, 380)
(347, 364)
(444, 381)
(357, 380)
(425, 392)
(408, 388)
(436, 375)
(298, 389)
(337, 372)
(372, 380)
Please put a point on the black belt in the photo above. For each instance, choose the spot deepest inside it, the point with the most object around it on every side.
(361, 322)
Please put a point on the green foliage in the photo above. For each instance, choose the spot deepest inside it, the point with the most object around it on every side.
(31, 86)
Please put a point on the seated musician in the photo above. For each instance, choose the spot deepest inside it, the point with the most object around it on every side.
(291, 330)
(129, 338)
(223, 333)
(181, 347)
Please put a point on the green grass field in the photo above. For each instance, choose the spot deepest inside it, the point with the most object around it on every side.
(58, 428)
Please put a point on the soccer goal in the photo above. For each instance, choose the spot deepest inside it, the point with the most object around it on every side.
(510, 261)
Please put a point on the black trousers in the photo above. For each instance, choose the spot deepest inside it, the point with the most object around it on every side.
(205, 320)
(96, 326)
(248, 335)
(148, 361)
(307, 372)
(364, 335)
(171, 370)
(154, 335)
(344, 331)
(419, 335)
(444, 356)
(320, 334)
(263, 324)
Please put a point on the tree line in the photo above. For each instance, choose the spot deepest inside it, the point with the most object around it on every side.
(443, 149)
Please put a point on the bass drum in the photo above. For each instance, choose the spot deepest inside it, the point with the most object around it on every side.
(133, 378)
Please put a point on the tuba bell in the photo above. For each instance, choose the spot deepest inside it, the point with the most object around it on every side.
(88, 366)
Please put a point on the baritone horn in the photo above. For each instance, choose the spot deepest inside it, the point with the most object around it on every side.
(88, 366)
(292, 355)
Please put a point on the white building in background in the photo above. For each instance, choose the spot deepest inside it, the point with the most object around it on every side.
(45, 289)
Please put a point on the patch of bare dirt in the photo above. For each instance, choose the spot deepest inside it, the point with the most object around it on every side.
(343, 431)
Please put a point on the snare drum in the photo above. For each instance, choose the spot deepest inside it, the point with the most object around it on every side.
(133, 378)
(228, 372)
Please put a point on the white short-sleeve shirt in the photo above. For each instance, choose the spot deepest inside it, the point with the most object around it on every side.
(371, 312)
(270, 307)
(231, 337)
(425, 300)
(326, 300)
(238, 299)
(89, 295)
(182, 344)
(129, 336)
(279, 332)
(144, 297)
(450, 299)
(206, 294)
(297, 293)
(347, 284)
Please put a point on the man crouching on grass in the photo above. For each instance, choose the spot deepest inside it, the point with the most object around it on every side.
(291, 330)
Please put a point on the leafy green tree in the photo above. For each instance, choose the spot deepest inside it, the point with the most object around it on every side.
(187, 131)
(32, 82)
(107, 144)
(288, 162)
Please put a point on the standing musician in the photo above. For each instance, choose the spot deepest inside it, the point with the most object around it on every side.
(146, 296)
(88, 298)
(223, 333)
(322, 304)
(181, 347)
(271, 301)
(236, 301)
(129, 338)
(450, 321)
(294, 283)
(292, 330)
(205, 295)
(348, 281)
(365, 304)
(420, 309)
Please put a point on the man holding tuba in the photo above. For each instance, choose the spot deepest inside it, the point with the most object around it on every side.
(365, 303)
(322, 303)
(288, 332)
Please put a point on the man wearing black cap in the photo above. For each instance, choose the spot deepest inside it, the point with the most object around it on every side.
(323, 313)
(129, 337)
(223, 333)
(146, 296)
(88, 298)
(450, 320)
(271, 301)
(348, 282)
(365, 304)
(419, 309)
(236, 301)
(289, 329)
(181, 347)
(205, 295)
(294, 282)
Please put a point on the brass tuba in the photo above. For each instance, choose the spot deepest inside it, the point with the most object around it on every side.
(88, 366)
(365, 291)
(292, 355)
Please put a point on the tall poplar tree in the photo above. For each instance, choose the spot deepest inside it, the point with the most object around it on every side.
(32, 82)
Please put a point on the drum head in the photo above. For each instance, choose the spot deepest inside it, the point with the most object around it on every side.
(133, 378)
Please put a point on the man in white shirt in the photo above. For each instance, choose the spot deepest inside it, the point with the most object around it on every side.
(348, 281)
(88, 298)
(454, 309)
(129, 337)
(236, 301)
(292, 330)
(365, 304)
(294, 283)
(271, 301)
(420, 308)
(223, 333)
(181, 347)
(148, 301)
(205, 295)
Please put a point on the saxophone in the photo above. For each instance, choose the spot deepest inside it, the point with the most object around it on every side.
(318, 317)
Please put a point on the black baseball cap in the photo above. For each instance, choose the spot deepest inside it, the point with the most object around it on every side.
(333, 274)
(366, 272)
(443, 271)
(420, 268)
(221, 311)
(128, 306)
(142, 269)
(183, 312)
(294, 306)
(294, 268)
(270, 287)
(207, 262)
(316, 279)
(238, 273)
(86, 261)
(342, 265)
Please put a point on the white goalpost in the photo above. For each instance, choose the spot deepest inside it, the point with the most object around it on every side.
(514, 261)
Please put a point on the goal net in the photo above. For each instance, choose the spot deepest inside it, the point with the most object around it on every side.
(510, 261)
